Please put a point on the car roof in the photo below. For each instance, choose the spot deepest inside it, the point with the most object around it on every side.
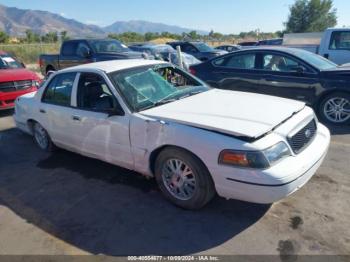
(288, 50)
(114, 65)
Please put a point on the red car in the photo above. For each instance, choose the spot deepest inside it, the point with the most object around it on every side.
(15, 80)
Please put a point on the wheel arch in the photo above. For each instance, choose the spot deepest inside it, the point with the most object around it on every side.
(30, 124)
(155, 153)
(326, 93)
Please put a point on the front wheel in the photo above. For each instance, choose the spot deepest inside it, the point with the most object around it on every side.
(335, 108)
(183, 179)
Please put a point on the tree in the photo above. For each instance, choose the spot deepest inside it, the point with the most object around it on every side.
(3, 37)
(32, 37)
(50, 37)
(64, 36)
(311, 16)
(193, 35)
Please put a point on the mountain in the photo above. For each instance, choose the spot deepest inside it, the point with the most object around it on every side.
(15, 21)
(142, 27)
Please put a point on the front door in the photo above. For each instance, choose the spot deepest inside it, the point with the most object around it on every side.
(339, 47)
(99, 133)
(287, 77)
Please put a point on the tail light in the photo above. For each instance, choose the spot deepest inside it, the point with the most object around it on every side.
(192, 71)
(40, 62)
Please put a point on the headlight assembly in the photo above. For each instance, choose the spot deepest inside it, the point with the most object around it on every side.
(255, 159)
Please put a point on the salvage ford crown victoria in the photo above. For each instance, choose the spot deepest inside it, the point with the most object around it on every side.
(156, 119)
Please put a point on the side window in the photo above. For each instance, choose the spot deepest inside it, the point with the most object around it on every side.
(245, 61)
(189, 48)
(94, 94)
(82, 49)
(59, 90)
(69, 48)
(340, 41)
(279, 63)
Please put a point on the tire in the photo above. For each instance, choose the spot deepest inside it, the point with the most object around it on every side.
(42, 138)
(334, 109)
(192, 187)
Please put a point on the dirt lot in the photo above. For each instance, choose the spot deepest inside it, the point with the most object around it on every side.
(63, 203)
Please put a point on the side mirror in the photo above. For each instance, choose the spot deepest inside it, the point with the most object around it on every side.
(22, 64)
(299, 70)
(114, 112)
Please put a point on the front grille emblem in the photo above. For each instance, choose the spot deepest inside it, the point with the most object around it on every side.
(308, 133)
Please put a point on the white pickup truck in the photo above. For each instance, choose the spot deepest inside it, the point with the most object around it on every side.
(333, 44)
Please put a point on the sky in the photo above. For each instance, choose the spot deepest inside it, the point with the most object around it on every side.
(224, 16)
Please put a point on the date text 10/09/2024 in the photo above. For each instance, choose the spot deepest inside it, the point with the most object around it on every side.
(173, 258)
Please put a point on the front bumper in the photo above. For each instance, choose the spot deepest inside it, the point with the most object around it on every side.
(277, 182)
(7, 99)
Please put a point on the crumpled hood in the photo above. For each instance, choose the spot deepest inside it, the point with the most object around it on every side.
(234, 113)
(8, 75)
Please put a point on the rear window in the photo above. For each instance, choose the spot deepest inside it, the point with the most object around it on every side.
(59, 90)
(69, 48)
(340, 41)
(244, 61)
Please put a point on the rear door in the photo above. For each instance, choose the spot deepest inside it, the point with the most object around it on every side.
(287, 76)
(55, 109)
(236, 72)
(72, 54)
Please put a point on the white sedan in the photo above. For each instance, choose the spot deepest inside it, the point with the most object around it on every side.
(160, 121)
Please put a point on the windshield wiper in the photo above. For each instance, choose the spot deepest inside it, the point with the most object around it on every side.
(170, 100)
(164, 101)
(190, 94)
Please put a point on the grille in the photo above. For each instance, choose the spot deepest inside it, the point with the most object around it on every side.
(15, 86)
(300, 140)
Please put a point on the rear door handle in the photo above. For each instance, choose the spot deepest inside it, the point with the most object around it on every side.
(42, 111)
(76, 118)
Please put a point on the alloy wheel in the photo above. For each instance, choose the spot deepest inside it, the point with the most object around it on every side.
(337, 109)
(41, 136)
(179, 179)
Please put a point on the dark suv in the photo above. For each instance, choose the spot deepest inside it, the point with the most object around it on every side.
(199, 50)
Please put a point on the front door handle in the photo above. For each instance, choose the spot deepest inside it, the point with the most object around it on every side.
(76, 118)
(42, 111)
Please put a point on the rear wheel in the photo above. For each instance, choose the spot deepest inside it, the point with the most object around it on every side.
(42, 138)
(183, 179)
(335, 108)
